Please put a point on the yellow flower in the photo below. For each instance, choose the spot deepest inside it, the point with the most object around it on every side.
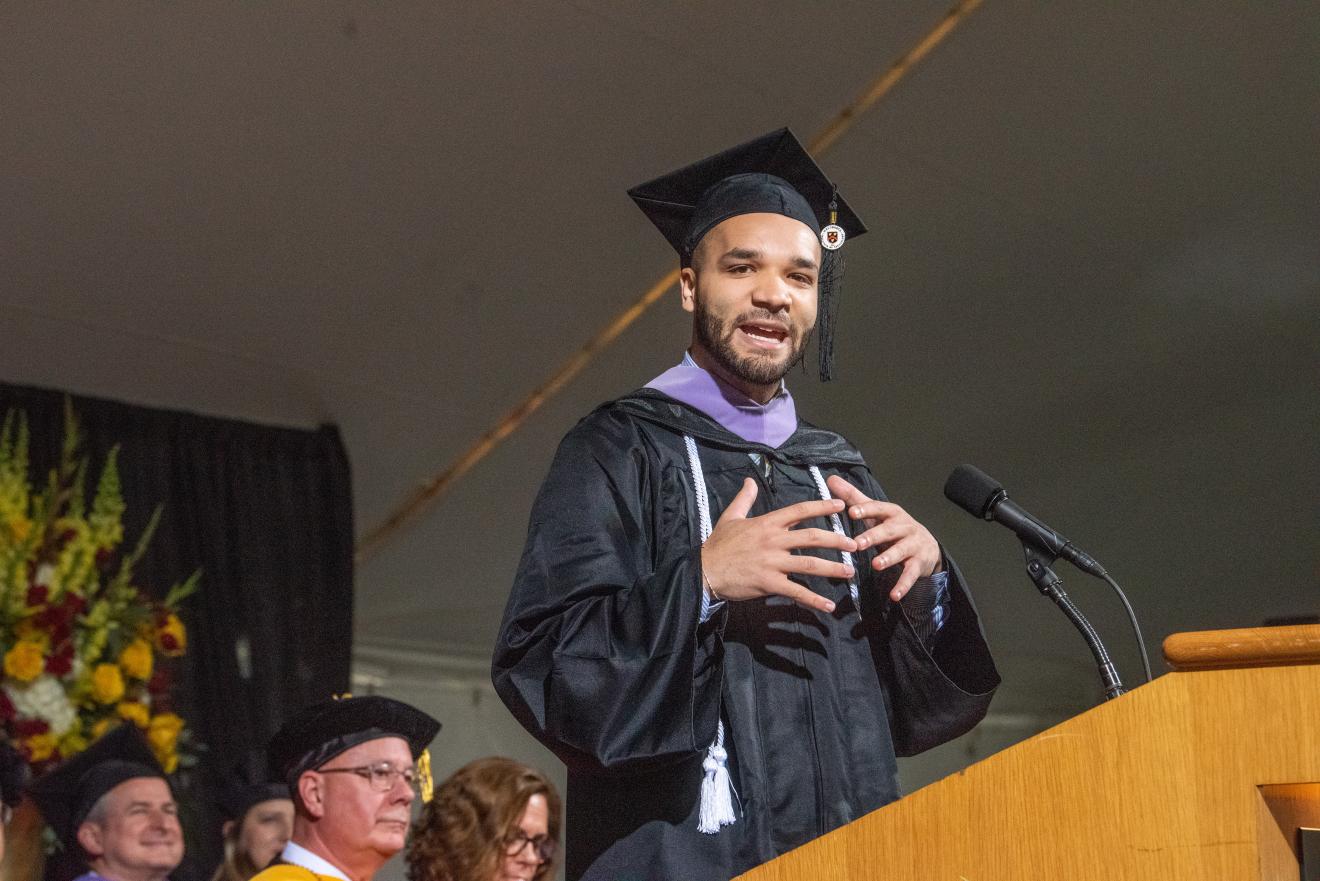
(27, 629)
(171, 637)
(20, 527)
(163, 733)
(134, 712)
(102, 726)
(107, 684)
(41, 746)
(25, 661)
(136, 659)
(72, 743)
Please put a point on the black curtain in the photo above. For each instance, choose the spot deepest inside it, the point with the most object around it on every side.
(266, 513)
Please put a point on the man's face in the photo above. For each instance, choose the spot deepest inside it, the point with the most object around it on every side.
(752, 292)
(358, 822)
(137, 833)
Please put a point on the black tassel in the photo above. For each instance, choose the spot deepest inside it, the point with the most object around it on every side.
(829, 288)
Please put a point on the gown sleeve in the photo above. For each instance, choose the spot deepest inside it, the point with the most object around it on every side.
(939, 687)
(601, 654)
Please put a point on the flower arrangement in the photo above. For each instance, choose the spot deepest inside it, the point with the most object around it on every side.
(82, 645)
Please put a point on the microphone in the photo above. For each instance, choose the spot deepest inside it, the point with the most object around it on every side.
(982, 496)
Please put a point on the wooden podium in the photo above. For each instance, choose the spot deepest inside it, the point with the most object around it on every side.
(1203, 774)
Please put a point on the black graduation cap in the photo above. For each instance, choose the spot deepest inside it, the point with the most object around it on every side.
(249, 783)
(316, 734)
(772, 174)
(67, 794)
(13, 774)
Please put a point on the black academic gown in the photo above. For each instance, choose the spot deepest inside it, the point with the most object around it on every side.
(602, 657)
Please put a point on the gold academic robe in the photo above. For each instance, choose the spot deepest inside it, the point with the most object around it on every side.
(290, 872)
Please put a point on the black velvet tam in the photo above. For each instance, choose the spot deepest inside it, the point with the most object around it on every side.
(67, 794)
(773, 174)
(316, 734)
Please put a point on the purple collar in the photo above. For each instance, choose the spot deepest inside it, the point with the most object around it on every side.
(769, 424)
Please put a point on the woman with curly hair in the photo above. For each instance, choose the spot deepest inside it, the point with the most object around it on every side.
(494, 820)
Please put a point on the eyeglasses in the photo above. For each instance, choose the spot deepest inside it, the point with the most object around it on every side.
(382, 775)
(542, 845)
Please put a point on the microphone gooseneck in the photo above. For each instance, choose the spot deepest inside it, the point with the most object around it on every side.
(985, 498)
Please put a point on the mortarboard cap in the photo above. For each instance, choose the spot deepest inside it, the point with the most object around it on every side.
(249, 784)
(67, 794)
(773, 174)
(316, 734)
(13, 774)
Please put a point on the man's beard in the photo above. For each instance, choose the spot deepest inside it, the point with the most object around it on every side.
(717, 339)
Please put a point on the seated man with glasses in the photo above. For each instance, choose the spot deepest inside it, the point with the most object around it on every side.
(352, 768)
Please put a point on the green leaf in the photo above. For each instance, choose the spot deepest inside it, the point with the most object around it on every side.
(180, 592)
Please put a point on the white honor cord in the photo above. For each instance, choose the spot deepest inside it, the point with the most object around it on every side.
(698, 484)
(716, 785)
(837, 524)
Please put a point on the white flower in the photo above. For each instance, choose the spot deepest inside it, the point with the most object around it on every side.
(44, 698)
(45, 575)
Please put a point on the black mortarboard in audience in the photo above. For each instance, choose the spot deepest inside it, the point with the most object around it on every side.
(67, 794)
(13, 775)
(249, 784)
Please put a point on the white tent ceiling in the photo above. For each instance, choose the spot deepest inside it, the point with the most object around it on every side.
(1093, 269)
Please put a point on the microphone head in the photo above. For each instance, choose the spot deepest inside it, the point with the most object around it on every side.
(973, 490)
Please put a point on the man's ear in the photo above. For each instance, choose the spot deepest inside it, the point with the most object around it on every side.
(228, 828)
(687, 288)
(89, 836)
(311, 792)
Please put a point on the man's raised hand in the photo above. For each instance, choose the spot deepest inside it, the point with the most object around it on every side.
(748, 557)
(903, 539)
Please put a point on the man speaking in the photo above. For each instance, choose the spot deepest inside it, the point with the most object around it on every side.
(719, 623)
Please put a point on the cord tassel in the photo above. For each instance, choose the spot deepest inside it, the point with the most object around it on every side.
(716, 788)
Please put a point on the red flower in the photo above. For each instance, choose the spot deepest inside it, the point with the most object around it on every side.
(56, 620)
(75, 604)
(160, 682)
(103, 558)
(61, 661)
(7, 708)
(37, 594)
(54, 623)
(68, 535)
(25, 728)
(168, 642)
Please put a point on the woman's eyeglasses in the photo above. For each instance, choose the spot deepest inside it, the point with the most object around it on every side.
(543, 846)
